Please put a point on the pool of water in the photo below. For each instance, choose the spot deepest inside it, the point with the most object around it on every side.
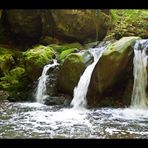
(34, 120)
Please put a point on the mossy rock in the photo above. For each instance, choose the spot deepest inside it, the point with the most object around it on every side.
(65, 53)
(36, 58)
(71, 70)
(61, 48)
(9, 59)
(113, 65)
(11, 79)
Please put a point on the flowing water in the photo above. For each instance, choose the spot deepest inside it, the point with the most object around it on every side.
(40, 94)
(35, 120)
(139, 96)
(80, 91)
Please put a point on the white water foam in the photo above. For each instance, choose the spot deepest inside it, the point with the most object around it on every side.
(139, 96)
(80, 91)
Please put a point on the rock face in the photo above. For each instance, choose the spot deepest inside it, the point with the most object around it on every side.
(26, 23)
(65, 25)
(71, 70)
(114, 67)
(81, 25)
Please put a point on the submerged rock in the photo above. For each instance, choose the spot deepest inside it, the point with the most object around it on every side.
(71, 70)
(58, 100)
(114, 68)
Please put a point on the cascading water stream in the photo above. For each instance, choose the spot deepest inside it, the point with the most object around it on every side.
(139, 97)
(80, 91)
(40, 94)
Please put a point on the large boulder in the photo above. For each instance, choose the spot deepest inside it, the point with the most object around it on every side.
(114, 67)
(81, 25)
(71, 70)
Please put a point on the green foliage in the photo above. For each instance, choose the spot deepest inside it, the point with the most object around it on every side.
(6, 60)
(127, 22)
(12, 78)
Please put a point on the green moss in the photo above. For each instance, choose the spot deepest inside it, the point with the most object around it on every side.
(121, 45)
(61, 48)
(65, 53)
(113, 65)
(70, 72)
(6, 60)
(36, 58)
(9, 59)
(74, 58)
(39, 55)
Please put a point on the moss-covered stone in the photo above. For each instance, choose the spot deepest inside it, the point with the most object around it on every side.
(36, 58)
(65, 53)
(71, 70)
(113, 69)
(61, 48)
(113, 63)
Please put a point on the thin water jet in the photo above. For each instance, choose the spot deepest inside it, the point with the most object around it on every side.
(40, 94)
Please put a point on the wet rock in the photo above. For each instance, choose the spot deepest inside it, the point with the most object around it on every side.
(71, 70)
(113, 69)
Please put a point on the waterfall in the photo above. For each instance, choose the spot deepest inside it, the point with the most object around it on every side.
(40, 94)
(80, 91)
(139, 97)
